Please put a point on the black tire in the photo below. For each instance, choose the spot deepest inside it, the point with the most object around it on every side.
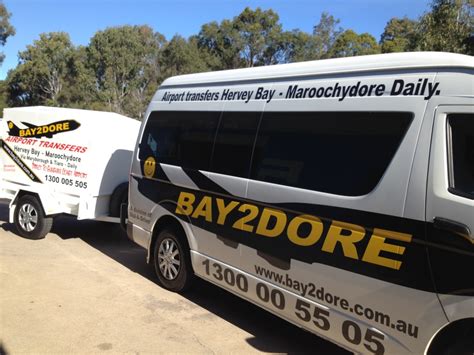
(119, 196)
(172, 261)
(30, 221)
(455, 340)
(461, 346)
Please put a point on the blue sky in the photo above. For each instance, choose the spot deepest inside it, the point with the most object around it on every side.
(82, 18)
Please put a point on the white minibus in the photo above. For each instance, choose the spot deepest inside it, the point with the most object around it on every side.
(337, 194)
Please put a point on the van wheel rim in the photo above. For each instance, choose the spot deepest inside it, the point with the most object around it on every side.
(169, 260)
(28, 217)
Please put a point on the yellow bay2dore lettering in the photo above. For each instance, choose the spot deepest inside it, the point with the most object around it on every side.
(258, 220)
(47, 130)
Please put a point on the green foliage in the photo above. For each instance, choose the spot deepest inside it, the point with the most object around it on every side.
(260, 36)
(126, 63)
(326, 33)
(297, 46)
(182, 57)
(398, 35)
(317, 45)
(349, 44)
(44, 69)
(252, 38)
(222, 43)
(80, 90)
(6, 29)
(3, 96)
(448, 27)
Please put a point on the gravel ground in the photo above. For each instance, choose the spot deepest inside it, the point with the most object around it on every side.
(86, 288)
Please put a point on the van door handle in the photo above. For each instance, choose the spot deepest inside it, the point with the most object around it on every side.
(451, 226)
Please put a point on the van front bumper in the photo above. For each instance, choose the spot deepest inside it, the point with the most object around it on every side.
(138, 235)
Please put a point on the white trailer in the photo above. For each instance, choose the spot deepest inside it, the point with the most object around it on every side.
(64, 161)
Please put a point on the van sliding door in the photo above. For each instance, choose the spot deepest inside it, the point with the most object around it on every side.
(450, 208)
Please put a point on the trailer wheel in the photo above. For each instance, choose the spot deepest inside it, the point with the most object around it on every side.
(172, 262)
(30, 221)
(119, 196)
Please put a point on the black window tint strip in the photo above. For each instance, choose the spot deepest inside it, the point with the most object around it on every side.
(234, 143)
(344, 153)
(182, 138)
(461, 154)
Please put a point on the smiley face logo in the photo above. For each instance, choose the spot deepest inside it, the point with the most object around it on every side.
(149, 167)
(10, 125)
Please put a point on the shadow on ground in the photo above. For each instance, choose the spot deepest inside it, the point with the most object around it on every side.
(269, 333)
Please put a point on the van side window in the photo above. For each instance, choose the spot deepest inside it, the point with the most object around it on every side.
(234, 143)
(461, 154)
(344, 153)
(182, 138)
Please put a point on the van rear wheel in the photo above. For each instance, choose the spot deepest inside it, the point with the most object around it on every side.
(29, 218)
(172, 262)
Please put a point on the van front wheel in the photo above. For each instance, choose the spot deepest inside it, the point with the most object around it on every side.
(172, 262)
(30, 220)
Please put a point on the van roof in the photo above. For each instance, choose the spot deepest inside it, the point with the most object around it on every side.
(378, 62)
